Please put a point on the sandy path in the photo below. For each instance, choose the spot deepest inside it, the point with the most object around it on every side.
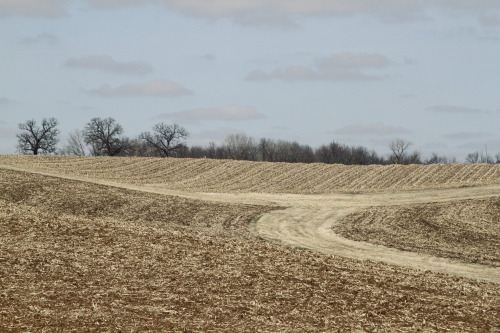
(309, 220)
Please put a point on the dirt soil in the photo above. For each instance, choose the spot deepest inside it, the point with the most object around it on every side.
(93, 244)
(308, 220)
(78, 257)
(465, 229)
(228, 176)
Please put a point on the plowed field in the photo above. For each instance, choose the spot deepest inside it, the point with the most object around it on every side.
(100, 246)
(223, 176)
(466, 229)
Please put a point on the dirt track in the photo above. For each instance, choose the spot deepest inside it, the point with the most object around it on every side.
(309, 220)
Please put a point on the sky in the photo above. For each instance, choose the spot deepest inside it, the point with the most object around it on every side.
(358, 72)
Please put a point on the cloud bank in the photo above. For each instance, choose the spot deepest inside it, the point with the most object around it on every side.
(454, 109)
(35, 8)
(106, 63)
(338, 67)
(155, 88)
(377, 129)
(280, 13)
(467, 135)
(44, 38)
(225, 113)
(4, 101)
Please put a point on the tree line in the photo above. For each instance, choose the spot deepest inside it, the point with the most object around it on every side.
(104, 137)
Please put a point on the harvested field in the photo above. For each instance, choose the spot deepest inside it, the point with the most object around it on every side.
(76, 256)
(100, 244)
(100, 202)
(220, 176)
(466, 229)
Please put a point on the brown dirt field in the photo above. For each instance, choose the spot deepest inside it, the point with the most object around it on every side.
(99, 201)
(465, 229)
(309, 220)
(223, 176)
(73, 260)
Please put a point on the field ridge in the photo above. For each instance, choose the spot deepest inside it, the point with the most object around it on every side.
(217, 176)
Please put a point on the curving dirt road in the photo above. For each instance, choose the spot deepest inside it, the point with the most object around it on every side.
(308, 221)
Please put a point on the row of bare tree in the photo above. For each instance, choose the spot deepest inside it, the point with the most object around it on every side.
(100, 137)
(104, 137)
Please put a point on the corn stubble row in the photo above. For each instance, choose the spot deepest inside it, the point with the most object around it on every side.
(81, 257)
(243, 176)
(467, 230)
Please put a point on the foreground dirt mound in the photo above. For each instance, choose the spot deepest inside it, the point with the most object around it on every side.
(206, 175)
(467, 229)
(80, 257)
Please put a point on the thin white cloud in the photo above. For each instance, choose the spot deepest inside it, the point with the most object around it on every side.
(493, 146)
(407, 95)
(264, 18)
(258, 75)
(467, 135)
(216, 136)
(291, 8)
(106, 63)
(301, 73)
(4, 101)
(155, 88)
(454, 109)
(207, 56)
(35, 8)
(349, 60)
(225, 113)
(44, 38)
(378, 129)
(280, 13)
(489, 20)
(338, 67)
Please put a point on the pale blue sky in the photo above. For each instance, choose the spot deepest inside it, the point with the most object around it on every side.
(359, 72)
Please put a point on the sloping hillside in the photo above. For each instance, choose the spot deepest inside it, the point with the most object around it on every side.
(206, 175)
(467, 230)
(76, 256)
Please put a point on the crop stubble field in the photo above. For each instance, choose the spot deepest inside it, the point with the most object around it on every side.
(465, 229)
(76, 255)
(207, 175)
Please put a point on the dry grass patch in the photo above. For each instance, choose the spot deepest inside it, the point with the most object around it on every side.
(81, 257)
(468, 230)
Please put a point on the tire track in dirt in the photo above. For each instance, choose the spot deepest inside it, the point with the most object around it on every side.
(312, 230)
(308, 221)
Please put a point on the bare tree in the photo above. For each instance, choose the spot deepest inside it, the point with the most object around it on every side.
(211, 150)
(38, 140)
(472, 158)
(167, 139)
(102, 135)
(436, 159)
(266, 149)
(241, 147)
(399, 149)
(137, 147)
(481, 157)
(413, 158)
(75, 144)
